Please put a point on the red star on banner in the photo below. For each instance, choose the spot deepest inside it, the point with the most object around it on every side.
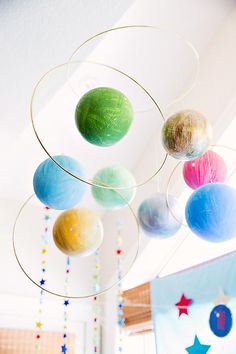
(183, 305)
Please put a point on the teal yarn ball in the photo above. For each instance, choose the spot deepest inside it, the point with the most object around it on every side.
(114, 176)
(103, 116)
(56, 188)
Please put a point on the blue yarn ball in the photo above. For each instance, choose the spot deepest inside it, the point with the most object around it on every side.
(155, 217)
(211, 212)
(56, 188)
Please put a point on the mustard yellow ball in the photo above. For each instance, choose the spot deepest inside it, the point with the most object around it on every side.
(78, 232)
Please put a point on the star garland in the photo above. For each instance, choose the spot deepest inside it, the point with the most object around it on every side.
(66, 303)
(42, 281)
(96, 305)
(120, 298)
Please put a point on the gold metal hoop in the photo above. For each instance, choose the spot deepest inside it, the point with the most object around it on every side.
(89, 181)
(63, 295)
(174, 34)
(173, 172)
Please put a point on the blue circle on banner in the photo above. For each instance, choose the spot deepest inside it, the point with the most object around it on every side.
(221, 320)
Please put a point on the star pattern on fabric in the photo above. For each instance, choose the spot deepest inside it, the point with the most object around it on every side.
(64, 348)
(197, 347)
(42, 282)
(39, 324)
(222, 299)
(66, 302)
(183, 304)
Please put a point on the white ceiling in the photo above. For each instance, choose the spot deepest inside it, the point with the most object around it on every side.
(35, 36)
(38, 36)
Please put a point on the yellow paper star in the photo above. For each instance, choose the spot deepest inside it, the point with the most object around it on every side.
(120, 241)
(44, 251)
(222, 299)
(39, 324)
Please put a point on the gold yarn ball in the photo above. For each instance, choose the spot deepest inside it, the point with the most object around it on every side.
(78, 232)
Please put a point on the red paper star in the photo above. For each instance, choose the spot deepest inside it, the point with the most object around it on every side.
(183, 305)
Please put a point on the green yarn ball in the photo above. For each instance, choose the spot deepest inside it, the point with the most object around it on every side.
(114, 176)
(103, 116)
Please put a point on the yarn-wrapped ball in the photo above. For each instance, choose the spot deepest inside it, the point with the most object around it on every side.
(209, 168)
(186, 135)
(103, 116)
(157, 219)
(210, 212)
(78, 232)
(115, 177)
(56, 188)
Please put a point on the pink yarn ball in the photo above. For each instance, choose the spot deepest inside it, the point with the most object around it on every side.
(209, 168)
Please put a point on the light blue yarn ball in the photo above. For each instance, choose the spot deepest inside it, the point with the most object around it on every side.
(211, 212)
(155, 217)
(56, 188)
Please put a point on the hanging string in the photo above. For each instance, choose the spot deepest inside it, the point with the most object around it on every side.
(96, 305)
(42, 281)
(66, 303)
(210, 167)
(170, 256)
(120, 293)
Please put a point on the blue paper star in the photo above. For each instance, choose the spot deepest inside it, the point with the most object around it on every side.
(64, 335)
(46, 217)
(64, 348)
(42, 282)
(45, 239)
(121, 322)
(66, 302)
(197, 347)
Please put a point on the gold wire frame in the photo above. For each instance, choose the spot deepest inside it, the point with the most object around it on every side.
(71, 61)
(124, 274)
(172, 175)
(89, 181)
(156, 28)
